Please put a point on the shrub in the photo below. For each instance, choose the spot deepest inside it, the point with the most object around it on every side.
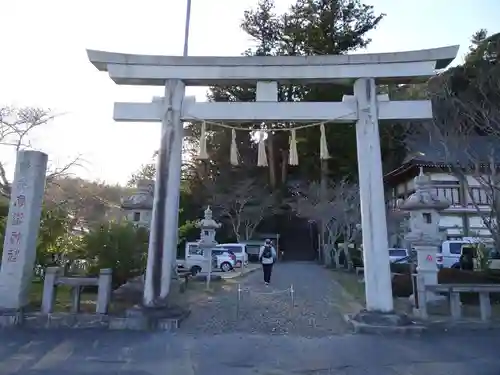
(122, 247)
(356, 257)
(402, 285)
(406, 268)
(457, 276)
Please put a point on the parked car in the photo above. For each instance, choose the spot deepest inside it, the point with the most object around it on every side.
(239, 250)
(197, 261)
(398, 255)
(449, 253)
(223, 259)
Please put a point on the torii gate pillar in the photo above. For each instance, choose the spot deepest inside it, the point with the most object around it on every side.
(373, 216)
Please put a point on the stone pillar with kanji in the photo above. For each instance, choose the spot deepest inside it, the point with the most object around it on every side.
(424, 207)
(19, 249)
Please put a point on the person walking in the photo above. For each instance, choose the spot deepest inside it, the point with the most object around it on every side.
(267, 257)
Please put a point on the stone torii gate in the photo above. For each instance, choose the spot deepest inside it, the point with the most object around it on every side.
(365, 108)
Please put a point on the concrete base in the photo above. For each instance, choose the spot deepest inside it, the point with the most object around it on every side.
(162, 319)
(377, 322)
(433, 300)
(203, 277)
(155, 318)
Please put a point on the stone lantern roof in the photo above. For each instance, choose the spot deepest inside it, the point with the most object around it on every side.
(142, 198)
(208, 222)
(424, 197)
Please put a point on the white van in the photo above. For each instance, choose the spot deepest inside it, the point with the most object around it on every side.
(239, 250)
(449, 254)
(196, 261)
(450, 251)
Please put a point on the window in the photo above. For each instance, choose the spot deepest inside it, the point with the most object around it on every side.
(218, 252)
(137, 216)
(427, 217)
(253, 249)
(478, 196)
(451, 194)
(233, 248)
(456, 247)
(494, 254)
(397, 252)
(194, 249)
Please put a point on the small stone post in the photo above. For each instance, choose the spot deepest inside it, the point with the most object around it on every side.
(207, 238)
(19, 249)
(49, 289)
(424, 207)
(104, 290)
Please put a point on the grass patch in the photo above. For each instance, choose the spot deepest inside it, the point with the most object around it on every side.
(195, 291)
(350, 283)
(63, 300)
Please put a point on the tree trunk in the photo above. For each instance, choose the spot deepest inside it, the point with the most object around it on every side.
(284, 166)
(336, 257)
(271, 161)
(323, 197)
(347, 254)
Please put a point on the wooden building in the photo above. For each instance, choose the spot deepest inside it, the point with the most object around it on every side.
(465, 193)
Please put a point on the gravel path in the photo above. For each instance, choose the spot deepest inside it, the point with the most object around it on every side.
(268, 309)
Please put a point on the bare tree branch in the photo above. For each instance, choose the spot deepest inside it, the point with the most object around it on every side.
(16, 124)
(465, 131)
(339, 209)
(244, 204)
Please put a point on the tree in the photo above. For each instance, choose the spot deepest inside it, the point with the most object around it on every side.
(55, 227)
(466, 125)
(469, 113)
(88, 202)
(244, 204)
(339, 210)
(145, 172)
(16, 126)
(123, 247)
(53, 235)
(397, 226)
(309, 27)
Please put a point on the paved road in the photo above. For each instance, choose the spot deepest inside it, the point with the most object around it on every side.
(99, 353)
(317, 310)
(268, 339)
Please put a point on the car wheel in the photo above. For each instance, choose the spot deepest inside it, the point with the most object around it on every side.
(226, 267)
(238, 263)
(195, 270)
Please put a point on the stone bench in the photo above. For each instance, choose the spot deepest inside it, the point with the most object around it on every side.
(453, 291)
(53, 279)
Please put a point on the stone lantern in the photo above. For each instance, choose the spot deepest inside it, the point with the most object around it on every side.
(207, 227)
(207, 240)
(424, 207)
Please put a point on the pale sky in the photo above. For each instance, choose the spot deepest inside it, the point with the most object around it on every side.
(43, 61)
